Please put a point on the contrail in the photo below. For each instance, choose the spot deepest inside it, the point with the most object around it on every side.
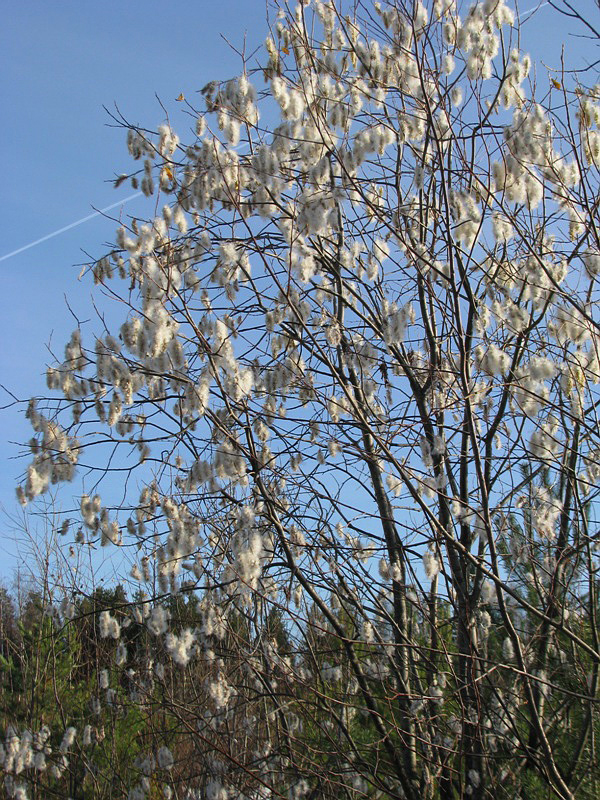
(72, 225)
(533, 8)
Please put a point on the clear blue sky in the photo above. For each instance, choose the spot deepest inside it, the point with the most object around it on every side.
(62, 61)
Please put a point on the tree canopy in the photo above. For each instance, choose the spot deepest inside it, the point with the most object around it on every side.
(343, 431)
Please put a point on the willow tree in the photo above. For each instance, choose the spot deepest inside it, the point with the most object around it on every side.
(354, 397)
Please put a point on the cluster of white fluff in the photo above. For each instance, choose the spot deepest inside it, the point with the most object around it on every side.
(232, 266)
(492, 359)
(158, 621)
(266, 166)
(545, 509)
(338, 406)
(533, 159)
(181, 648)
(147, 765)
(302, 261)
(139, 145)
(168, 141)
(290, 100)
(396, 323)
(518, 69)
(317, 212)
(219, 689)
(249, 551)
(375, 259)
(33, 751)
(534, 280)
(183, 537)
(431, 565)
(570, 326)
(477, 35)
(229, 464)
(235, 103)
(529, 396)
(331, 672)
(64, 376)
(213, 617)
(154, 340)
(213, 174)
(467, 217)
(589, 124)
(109, 626)
(55, 455)
(502, 228)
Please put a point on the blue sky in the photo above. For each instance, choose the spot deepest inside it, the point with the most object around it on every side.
(61, 63)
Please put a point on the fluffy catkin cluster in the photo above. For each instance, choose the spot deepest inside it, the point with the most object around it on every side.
(355, 393)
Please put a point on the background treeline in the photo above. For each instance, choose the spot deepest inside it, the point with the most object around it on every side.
(296, 700)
